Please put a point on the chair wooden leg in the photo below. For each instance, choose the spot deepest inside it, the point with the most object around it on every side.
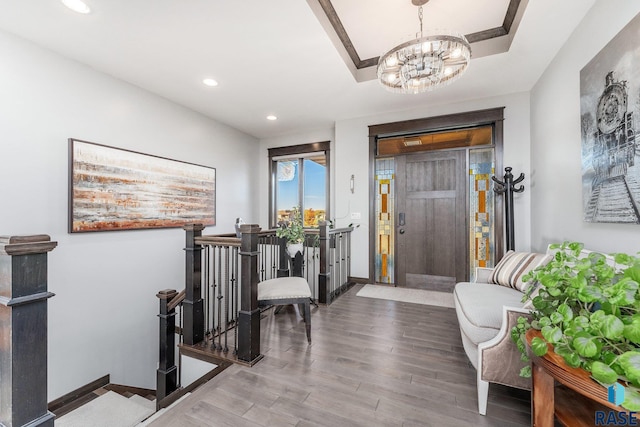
(307, 320)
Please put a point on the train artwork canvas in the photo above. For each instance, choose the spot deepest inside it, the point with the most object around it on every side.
(610, 122)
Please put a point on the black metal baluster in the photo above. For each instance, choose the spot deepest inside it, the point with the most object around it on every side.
(273, 245)
(235, 299)
(334, 267)
(214, 285)
(226, 301)
(343, 267)
(348, 255)
(220, 299)
(206, 290)
(180, 340)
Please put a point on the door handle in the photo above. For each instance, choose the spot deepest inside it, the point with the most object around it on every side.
(401, 219)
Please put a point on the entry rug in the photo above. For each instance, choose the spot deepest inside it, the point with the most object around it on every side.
(107, 410)
(416, 296)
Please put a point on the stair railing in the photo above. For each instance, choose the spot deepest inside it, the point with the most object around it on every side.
(335, 262)
(219, 302)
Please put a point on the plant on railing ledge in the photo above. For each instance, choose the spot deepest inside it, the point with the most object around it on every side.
(589, 311)
(293, 231)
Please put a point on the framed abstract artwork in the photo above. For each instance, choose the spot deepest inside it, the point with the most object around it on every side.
(610, 105)
(116, 189)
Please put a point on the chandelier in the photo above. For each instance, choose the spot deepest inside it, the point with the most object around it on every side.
(425, 63)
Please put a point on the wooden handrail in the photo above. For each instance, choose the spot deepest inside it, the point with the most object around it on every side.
(340, 230)
(175, 301)
(220, 240)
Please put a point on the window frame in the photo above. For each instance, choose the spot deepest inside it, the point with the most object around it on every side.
(292, 151)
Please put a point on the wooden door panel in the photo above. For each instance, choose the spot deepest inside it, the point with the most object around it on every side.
(432, 195)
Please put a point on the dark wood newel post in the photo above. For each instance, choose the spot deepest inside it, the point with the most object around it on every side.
(324, 277)
(193, 306)
(249, 316)
(23, 330)
(167, 372)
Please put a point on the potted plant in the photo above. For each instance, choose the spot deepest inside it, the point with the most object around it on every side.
(589, 310)
(293, 232)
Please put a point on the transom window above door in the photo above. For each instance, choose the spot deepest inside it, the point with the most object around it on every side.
(448, 139)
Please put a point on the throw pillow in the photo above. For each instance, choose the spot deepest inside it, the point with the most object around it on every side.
(514, 265)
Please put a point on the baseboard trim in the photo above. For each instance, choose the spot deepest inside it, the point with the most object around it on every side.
(359, 280)
(58, 403)
(124, 389)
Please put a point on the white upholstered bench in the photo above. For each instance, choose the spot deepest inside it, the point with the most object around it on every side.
(287, 290)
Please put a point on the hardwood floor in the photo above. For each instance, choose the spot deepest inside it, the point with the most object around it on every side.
(372, 363)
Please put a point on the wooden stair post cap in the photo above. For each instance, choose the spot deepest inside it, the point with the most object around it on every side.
(23, 245)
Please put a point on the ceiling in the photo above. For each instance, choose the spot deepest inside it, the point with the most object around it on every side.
(285, 57)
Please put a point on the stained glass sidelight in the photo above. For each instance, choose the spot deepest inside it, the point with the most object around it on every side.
(385, 200)
(482, 211)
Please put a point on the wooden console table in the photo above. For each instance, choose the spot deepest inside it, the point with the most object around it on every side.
(576, 398)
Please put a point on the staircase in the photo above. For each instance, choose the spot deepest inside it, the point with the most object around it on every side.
(112, 405)
(109, 409)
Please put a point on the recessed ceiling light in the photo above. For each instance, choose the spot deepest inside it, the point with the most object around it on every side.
(77, 6)
(210, 82)
(271, 117)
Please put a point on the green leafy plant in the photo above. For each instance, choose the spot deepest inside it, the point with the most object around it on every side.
(589, 310)
(292, 230)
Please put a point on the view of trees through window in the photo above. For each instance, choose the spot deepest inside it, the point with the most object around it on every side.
(301, 181)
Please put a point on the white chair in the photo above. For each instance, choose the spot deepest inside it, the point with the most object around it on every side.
(285, 291)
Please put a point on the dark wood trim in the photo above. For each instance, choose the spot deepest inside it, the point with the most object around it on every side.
(504, 30)
(372, 206)
(486, 34)
(498, 136)
(333, 18)
(299, 149)
(125, 389)
(510, 16)
(76, 394)
(359, 280)
(491, 116)
(341, 32)
(290, 150)
(430, 124)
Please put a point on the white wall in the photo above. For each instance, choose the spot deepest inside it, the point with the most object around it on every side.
(555, 139)
(350, 156)
(103, 317)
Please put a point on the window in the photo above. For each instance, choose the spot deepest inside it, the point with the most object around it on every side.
(300, 177)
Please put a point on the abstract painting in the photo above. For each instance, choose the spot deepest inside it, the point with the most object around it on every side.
(610, 104)
(116, 189)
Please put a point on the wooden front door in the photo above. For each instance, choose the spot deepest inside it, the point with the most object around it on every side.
(431, 219)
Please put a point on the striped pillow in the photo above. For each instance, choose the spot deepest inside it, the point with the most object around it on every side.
(514, 265)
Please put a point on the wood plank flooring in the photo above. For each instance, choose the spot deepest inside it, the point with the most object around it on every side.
(372, 363)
